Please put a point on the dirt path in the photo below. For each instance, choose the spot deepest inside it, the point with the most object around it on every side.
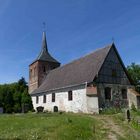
(115, 130)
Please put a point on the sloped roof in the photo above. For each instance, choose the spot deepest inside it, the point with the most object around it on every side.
(77, 72)
(44, 54)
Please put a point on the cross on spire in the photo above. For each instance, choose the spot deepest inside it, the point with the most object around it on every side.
(44, 26)
(113, 39)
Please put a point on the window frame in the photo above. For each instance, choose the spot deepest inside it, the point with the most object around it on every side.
(70, 95)
(124, 94)
(44, 69)
(37, 99)
(44, 98)
(30, 73)
(53, 97)
(107, 94)
(35, 71)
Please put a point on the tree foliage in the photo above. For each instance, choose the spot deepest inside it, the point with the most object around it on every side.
(134, 72)
(13, 96)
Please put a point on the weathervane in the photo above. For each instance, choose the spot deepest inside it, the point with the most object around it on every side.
(44, 26)
(113, 39)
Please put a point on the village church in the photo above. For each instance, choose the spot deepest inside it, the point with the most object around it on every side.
(95, 81)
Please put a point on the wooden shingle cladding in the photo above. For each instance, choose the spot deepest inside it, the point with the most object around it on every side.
(113, 70)
(44, 54)
(83, 70)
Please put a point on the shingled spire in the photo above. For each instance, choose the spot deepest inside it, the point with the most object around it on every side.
(44, 42)
(44, 54)
(42, 65)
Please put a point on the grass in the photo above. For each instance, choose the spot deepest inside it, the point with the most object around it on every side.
(131, 129)
(50, 127)
(68, 126)
(110, 111)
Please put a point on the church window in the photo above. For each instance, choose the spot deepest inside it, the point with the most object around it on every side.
(108, 93)
(44, 98)
(30, 73)
(114, 73)
(44, 69)
(34, 71)
(70, 95)
(124, 94)
(53, 97)
(37, 99)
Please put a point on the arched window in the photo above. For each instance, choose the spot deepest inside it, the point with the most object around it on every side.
(53, 97)
(30, 73)
(37, 99)
(108, 93)
(34, 71)
(44, 69)
(44, 98)
(70, 95)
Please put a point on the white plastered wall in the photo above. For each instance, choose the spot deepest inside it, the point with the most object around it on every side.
(80, 103)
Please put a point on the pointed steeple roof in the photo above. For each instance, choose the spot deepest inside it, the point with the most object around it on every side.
(44, 54)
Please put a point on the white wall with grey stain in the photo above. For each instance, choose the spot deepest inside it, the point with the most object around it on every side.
(80, 103)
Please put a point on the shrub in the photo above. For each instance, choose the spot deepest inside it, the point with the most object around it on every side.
(133, 108)
(17, 108)
(8, 109)
(135, 124)
(111, 111)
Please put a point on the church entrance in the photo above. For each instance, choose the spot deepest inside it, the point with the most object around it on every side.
(55, 109)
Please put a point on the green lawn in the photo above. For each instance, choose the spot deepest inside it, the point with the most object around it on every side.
(50, 127)
(130, 130)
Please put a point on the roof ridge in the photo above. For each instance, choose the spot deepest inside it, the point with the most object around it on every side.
(98, 49)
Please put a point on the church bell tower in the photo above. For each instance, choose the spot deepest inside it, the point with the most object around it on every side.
(39, 68)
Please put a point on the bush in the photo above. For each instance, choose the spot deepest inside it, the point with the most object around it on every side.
(17, 108)
(40, 109)
(133, 108)
(135, 124)
(8, 109)
(110, 111)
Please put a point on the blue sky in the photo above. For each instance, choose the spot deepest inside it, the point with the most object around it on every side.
(73, 27)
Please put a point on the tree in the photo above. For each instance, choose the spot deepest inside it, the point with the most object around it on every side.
(17, 102)
(134, 72)
(26, 101)
(22, 84)
(13, 95)
(8, 101)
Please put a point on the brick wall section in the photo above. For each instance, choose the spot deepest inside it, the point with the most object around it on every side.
(38, 71)
(33, 76)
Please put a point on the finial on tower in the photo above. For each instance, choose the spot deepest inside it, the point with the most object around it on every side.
(44, 26)
(113, 40)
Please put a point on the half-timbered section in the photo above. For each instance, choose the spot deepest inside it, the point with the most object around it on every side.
(113, 81)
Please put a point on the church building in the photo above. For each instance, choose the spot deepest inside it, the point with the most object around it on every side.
(96, 81)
